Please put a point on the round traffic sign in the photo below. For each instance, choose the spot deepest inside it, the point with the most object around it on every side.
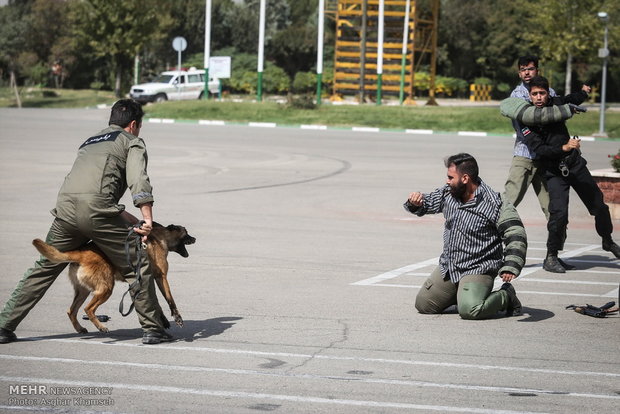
(179, 43)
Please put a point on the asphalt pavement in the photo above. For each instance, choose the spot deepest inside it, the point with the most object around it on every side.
(298, 294)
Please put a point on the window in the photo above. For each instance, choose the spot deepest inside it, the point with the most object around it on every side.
(194, 78)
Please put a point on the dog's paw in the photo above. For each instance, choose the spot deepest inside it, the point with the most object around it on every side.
(82, 331)
(104, 329)
(178, 320)
(166, 323)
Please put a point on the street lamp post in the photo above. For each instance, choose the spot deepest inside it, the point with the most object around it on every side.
(603, 53)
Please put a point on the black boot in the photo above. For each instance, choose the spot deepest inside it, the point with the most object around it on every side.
(610, 246)
(552, 264)
(566, 265)
(514, 304)
(7, 336)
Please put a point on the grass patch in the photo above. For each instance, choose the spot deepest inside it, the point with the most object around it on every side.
(437, 118)
(35, 97)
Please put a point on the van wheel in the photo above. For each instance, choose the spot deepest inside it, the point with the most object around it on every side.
(161, 97)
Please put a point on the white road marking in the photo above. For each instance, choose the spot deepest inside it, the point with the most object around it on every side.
(342, 358)
(210, 122)
(419, 131)
(410, 271)
(262, 124)
(365, 129)
(262, 396)
(472, 134)
(383, 381)
(397, 272)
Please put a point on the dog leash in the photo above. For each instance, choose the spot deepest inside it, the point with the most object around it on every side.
(139, 251)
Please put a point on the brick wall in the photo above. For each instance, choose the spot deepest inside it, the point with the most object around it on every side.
(610, 186)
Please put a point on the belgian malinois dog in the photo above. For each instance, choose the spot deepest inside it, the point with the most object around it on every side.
(92, 271)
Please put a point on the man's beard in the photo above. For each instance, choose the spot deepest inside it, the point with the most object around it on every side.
(458, 191)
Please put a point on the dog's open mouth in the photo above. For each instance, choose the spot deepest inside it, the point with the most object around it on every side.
(186, 241)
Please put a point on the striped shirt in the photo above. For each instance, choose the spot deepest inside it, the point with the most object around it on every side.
(521, 149)
(474, 232)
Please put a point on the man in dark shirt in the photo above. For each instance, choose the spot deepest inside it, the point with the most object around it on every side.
(565, 168)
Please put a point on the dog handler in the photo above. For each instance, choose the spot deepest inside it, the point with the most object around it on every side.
(87, 209)
(478, 220)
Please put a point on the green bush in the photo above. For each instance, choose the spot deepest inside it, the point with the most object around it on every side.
(304, 82)
(275, 79)
(443, 84)
(305, 101)
(483, 81)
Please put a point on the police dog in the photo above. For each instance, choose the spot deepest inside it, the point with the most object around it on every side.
(91, 271)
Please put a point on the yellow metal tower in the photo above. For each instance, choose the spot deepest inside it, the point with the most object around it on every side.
(355, 57)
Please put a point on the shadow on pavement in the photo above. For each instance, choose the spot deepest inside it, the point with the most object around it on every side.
(536, 315)
(190, 331)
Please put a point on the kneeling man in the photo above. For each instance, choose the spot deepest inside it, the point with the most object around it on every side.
(478, 221)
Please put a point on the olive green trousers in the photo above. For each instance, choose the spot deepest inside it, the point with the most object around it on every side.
(472, 295)
(523, 173)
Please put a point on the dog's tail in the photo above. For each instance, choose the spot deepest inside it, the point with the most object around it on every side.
(52, 253)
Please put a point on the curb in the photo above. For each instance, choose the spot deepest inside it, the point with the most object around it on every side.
(354, 129)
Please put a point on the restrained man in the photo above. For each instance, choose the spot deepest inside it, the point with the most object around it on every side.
(478, 221)
(88, 209)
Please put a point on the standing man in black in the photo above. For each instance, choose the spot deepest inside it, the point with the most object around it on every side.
(564, 167)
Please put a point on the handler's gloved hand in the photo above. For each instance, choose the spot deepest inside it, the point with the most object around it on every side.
(576, 109)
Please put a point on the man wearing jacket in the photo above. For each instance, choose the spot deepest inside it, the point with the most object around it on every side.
(564, 168)
(88, 209)
(524, 169)
(478, 221)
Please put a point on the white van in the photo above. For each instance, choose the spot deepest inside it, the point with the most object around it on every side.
(174, 85)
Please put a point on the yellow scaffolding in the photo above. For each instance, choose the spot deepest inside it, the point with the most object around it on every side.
(357, 42)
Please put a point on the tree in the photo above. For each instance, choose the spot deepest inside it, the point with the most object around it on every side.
(12, 32)
(563, 30)
(117, 30)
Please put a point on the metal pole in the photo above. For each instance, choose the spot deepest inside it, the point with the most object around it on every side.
(261, 52)
(431, 89)
(380, 51)
(179, 74)
(403, 62)
(319, 53)
(601, 125)
(363, 52)
(136, 69)
(205, 93)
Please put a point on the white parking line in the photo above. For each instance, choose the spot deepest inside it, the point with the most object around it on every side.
(397, 272)
(344, 358)
(572, 254)
(261, 396)
(383, 381)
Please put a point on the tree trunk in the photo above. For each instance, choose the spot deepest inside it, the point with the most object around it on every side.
(569, 73)
(117, 83)
(14, 86)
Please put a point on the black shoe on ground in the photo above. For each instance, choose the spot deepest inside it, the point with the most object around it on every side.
(7, 336)
(610, 246)
(154, 338)
(514, 304)
(552, 264)
(566, 265)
